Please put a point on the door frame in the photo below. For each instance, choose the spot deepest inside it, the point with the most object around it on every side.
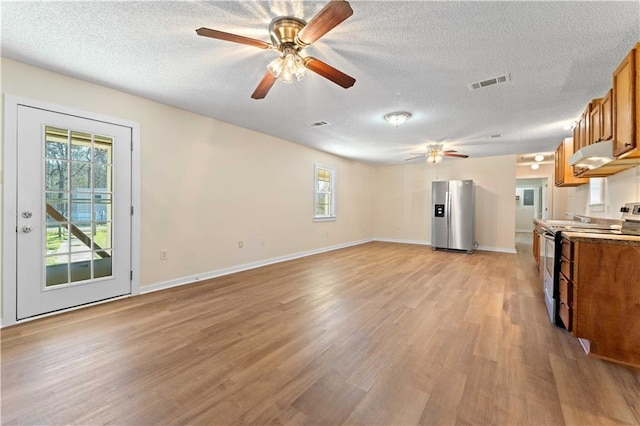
(9, 198)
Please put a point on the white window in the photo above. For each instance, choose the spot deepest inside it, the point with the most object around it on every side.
(596, 193)
(324, 200)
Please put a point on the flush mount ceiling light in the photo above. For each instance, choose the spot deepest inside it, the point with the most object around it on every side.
(398, 117)
(535, 166)
(538, 157)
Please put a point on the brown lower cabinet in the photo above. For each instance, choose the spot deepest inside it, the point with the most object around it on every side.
(535, 249)
(600, 295)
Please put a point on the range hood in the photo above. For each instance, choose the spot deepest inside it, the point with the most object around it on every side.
(593, 156)
(597, 160)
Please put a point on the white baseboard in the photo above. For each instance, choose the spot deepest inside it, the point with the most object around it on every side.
(497, 249)
(393, 240)
(245, 267)
(428, 243)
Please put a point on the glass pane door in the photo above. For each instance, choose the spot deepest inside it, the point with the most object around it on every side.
(73, 186)
(78, 195)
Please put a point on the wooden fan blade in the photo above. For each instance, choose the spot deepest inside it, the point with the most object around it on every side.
(328, 18)
(447, 154)
(220, 35)
(329, 72)
(415, 158)
(264, 86)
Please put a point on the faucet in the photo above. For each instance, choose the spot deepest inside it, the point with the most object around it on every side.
(583, 219)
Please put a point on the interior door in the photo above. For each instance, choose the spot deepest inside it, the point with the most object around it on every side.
(74, 211)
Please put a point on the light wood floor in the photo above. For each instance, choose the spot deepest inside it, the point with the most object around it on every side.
(375, 334)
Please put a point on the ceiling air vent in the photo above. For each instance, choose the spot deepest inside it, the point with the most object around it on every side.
(318, 124)
(489, 82)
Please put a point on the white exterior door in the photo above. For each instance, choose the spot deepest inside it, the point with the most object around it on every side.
(73, 211)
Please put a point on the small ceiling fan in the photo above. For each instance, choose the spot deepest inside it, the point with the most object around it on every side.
(435, 153)
(289, 36)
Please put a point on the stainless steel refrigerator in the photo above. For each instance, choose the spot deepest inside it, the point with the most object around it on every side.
(453, 215)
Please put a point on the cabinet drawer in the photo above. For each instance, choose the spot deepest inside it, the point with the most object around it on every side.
(566, 290)
(565, 316)
(566, 268)
(567, 249)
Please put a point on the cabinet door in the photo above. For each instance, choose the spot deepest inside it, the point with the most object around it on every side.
(566, 313)
(624, 113)
(595, 122)
(564, 174)
(559, 178)
(585, 127)
(578, 133)
(606, 115)
(536, 246)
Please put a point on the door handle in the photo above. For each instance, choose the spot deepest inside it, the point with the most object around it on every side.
(27, 214)
(26, 229)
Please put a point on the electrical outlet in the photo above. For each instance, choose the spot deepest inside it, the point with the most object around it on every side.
(164, 254)
(263, 241)
(240, 244)
(326, 234)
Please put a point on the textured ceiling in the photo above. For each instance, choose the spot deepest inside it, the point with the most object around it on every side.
(414, 56)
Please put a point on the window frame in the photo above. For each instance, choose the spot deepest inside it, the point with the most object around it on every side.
(332, 216)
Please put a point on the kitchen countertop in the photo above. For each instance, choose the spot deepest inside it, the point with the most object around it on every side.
(613, 238)
(576, 225)
(579, 231)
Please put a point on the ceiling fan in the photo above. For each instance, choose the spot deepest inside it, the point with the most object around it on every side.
(289, 36)
(435, 153)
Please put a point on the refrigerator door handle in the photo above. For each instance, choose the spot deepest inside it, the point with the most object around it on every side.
(447, 208)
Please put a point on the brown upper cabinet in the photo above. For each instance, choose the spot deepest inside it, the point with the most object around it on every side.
(563, 172)
(606, 117)
(615, 117)
(625, 109)
(600, 120)
(595, 122)
(581, 137)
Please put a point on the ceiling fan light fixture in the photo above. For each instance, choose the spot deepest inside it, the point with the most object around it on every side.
(288, 66)
(398, 117)
(434, 153)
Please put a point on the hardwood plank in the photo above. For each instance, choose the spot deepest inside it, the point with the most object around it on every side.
(331, 390)
(392, 400)
(377, 333)
(445, 397)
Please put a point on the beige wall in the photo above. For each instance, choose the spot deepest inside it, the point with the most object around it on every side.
(620, 188)
(206, 184)
(403, 196)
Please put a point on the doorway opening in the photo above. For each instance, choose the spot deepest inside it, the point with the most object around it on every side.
(531, 203)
